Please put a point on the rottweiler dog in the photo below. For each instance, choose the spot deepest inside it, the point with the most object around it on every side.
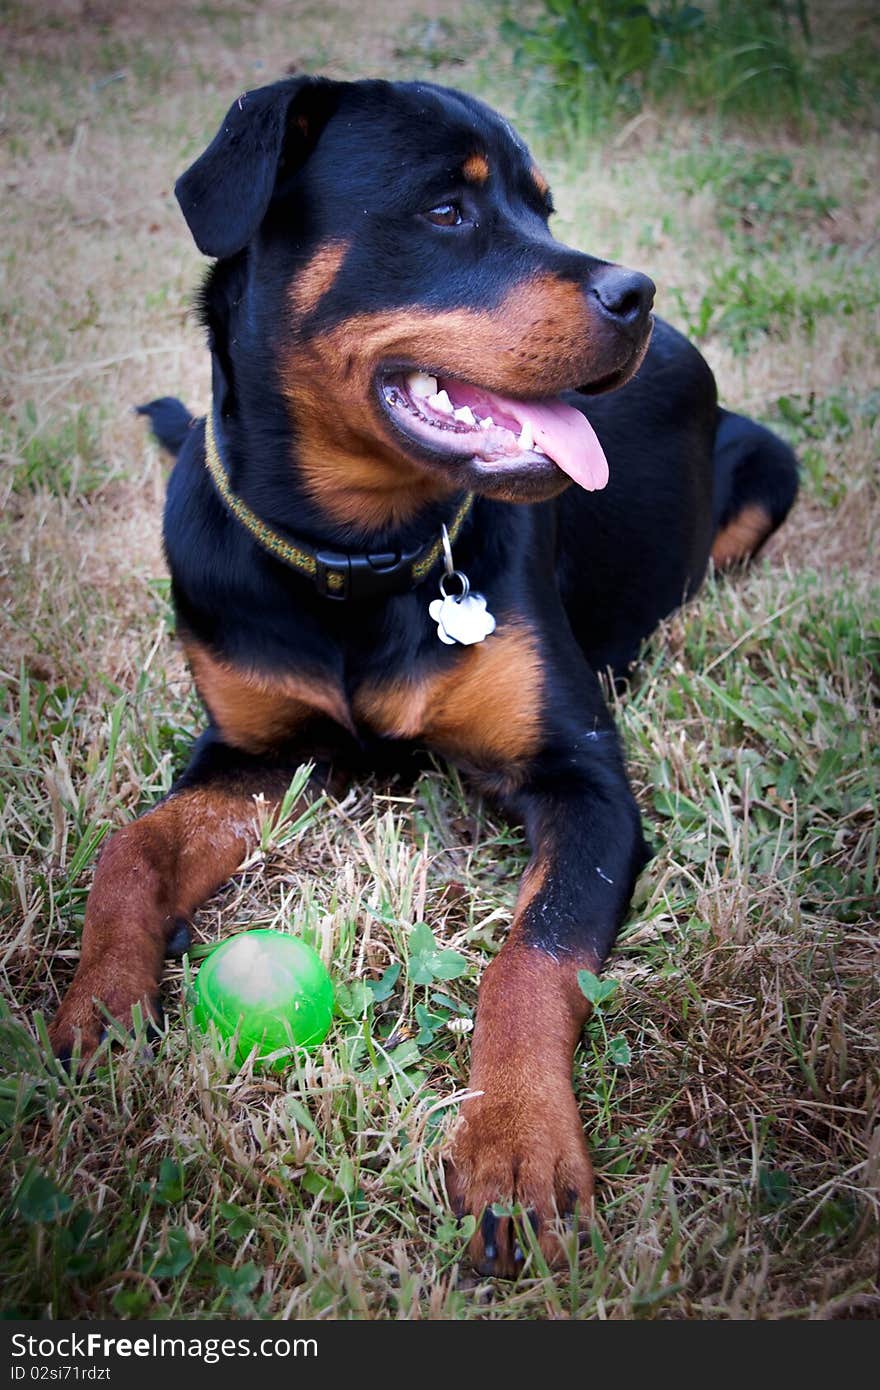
(452, 470)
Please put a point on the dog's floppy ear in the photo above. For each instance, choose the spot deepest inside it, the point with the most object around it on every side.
(225, 194)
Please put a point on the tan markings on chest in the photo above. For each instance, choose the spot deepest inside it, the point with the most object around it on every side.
(256, 712)
(485, 707)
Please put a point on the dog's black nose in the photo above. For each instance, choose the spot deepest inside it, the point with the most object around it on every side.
(625, 295)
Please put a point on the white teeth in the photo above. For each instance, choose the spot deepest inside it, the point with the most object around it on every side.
(487, 423)
(440, 401)
(465, 415)
(421, 385)
(526, 439)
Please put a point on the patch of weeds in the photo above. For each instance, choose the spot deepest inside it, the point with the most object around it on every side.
(589, 58)
(787, 777)
(608, 1053)
(53, 1244)
(837, 415)
(394, 1027)
(763, 195)
(822, 430)
(427, 963)
(432, 1017)
(743, 303)
(238, 1284)
(591, 63)
(65, 459)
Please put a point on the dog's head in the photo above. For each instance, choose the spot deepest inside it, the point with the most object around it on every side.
(403, 294)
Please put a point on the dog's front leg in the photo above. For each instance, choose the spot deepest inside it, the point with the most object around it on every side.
(520, 1140)
(151, 877)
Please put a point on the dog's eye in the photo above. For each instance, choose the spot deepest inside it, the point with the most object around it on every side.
(445, 215)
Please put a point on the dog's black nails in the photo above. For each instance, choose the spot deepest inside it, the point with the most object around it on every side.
(489, 1227)
(180, 939)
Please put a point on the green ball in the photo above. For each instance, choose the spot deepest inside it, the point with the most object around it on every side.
(270, 986)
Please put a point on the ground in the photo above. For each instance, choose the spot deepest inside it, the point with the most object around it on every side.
(729, 1082)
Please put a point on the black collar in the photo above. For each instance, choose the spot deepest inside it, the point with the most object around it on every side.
(339, 574)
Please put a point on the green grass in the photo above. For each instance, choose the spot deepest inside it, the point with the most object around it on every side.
(728, 1082)
(767, 195)
(741, 303)
(591, 65)
(64, 460)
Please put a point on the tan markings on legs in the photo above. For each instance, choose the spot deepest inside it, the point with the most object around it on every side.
(257, 712)
(485, 708)
(742, 536)
(150, 873)
(531, 884)
(521, 1140)
(476, 168)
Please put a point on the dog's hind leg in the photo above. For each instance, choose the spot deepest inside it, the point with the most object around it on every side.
(756, 480)
(152, 875)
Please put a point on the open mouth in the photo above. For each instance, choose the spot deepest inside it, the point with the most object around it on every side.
(455, 420)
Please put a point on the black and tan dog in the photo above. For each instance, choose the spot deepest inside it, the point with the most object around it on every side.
(399, 344)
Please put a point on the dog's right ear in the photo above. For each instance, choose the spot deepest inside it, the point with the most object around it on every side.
(226, 193)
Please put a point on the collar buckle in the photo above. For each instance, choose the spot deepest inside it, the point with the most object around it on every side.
(342, 576)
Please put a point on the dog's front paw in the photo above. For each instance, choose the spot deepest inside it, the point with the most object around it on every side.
(527, 1152)
(108, 987)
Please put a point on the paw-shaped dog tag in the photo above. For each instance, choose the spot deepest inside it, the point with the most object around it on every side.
(464, 620)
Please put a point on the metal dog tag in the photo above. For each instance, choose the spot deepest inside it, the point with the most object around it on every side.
(461, 618)
(465, 620)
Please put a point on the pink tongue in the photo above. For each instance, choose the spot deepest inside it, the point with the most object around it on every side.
(562, 432)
